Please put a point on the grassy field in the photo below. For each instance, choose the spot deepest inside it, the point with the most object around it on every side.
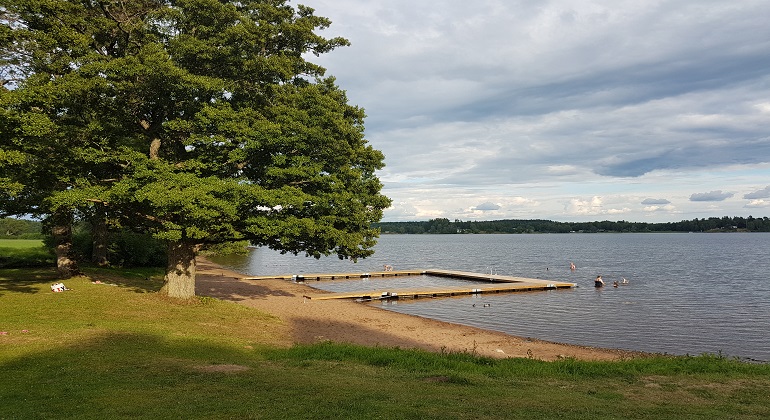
(24, 252)
(20, 243)
(119, 350)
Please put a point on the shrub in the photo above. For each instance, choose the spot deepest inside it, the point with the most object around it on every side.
(125, 248)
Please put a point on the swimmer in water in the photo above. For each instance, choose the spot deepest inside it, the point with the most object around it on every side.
(598, 282)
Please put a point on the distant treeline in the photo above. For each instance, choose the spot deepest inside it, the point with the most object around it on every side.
(11, 228)
(30, 229)
(712, 224)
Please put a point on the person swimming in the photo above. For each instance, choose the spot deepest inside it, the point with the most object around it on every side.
(598, 282)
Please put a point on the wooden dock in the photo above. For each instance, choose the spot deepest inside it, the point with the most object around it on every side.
(441, 292)
(498, 284)
(339, 276)
(494, 278)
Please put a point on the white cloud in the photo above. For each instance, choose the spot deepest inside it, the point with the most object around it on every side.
(589, 207)
(551, 100)
(401, 211)
(652, 209)
(758, 204)
(624, 210)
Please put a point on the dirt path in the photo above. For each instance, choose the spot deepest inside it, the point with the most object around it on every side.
(309, 321)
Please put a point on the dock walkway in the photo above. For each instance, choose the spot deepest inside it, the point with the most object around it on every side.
(498, 284)
(339, 276)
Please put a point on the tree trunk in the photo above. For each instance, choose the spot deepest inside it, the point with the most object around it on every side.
(180, 271)
(154, 149)
(62, 235)
(99, 240)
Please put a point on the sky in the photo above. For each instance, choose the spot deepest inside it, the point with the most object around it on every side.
(644, 111)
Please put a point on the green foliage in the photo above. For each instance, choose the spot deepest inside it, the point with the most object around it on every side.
(20, 228)
(113, 350)
(712, 224)
(125, 248)
(196, 121)
(227, 248)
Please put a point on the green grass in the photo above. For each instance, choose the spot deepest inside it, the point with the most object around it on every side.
(21, 243)
(119, 350)
(24, 253)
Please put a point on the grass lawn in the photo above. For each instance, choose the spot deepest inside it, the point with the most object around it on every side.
(119, 350)
(21, 243)
(24, 252)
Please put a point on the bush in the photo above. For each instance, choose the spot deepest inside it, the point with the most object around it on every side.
(130, 249)
(125, 248)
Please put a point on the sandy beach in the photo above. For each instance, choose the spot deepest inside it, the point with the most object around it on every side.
(308, 321)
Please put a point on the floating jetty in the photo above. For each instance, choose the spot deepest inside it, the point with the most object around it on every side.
(340, 276)
(498, 284)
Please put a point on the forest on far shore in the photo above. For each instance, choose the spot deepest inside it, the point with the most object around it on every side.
(445, 226)
(31, 229)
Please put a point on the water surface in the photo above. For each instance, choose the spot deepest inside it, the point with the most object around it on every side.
(687, 293)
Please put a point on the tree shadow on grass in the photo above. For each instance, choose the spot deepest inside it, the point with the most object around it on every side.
(136, 280)
(117, 375)
(37, 280)
(26, 280)
(135, 375)
(42, 257)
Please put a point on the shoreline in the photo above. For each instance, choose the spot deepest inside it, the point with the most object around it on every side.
(305, 321)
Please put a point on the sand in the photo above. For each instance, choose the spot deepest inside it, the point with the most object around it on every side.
(308, 321)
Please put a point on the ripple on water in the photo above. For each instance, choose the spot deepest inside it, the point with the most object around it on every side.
(688, 293)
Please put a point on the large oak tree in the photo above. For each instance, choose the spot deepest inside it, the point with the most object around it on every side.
(197, 120)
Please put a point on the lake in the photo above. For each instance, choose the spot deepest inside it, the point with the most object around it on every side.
(688, 293)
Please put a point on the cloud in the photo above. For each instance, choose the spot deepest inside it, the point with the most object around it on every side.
(401, 211)
(711, 196)
(654, 209)
(757, 204)
(624, 210)
(655, 201)
(591, 98)
(763, 193)
(590, 207)
(487, 206)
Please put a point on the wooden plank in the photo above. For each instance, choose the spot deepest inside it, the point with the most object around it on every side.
(338, 276)
(436, 292)
(498, 278)
(434, 272)
(498, 284)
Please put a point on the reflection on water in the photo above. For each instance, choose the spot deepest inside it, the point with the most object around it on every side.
(688, 293)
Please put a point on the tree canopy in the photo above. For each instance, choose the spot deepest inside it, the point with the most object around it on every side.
(199, 121)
